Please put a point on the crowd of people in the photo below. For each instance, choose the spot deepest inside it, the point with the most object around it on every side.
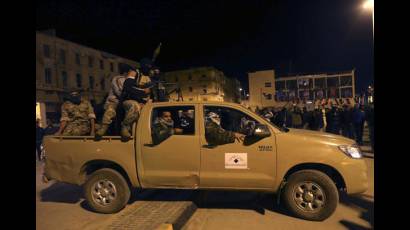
(341, 119)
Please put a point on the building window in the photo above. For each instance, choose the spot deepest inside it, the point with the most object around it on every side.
(205, 91)
(102, 84)
(190, 77)
(268, 84)
(77, 59)
(79, 80)
(305, 83)
(191, 99)
(190, 89)
(101, 64)
(332, 82)
(90, 61)
(62, 56)
(46, 49)
(91, 81)
(320, 83)
(268, 96)
(47, 75)
(112, 67)
(346, 81)
(64, 76)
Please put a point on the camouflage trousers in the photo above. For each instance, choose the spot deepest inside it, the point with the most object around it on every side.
(110, 112)
(77, 128)
(132, 111)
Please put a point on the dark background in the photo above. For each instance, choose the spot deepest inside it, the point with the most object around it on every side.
(290, 36)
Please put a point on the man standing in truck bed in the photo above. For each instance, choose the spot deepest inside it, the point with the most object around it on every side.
(111, 103)
(134, 95)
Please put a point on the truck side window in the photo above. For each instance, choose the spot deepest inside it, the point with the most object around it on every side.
(232, 119)
(172, 120)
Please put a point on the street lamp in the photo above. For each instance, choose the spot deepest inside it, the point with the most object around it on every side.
(369, 5)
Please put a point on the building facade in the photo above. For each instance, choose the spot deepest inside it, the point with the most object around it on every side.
(62, 65)
(261, 89)
(267, 91)
(204, 84)
(316, 86)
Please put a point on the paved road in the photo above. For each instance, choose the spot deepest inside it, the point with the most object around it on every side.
(62, 206)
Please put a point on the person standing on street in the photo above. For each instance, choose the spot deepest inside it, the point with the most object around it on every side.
(296, 118)
(370, 123)
(317, 119)
(346, 122)
(358, 123)
(39, 139)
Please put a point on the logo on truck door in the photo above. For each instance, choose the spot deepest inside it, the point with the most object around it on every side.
(236, 160)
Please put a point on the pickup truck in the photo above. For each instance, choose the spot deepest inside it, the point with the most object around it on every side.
(305, 169)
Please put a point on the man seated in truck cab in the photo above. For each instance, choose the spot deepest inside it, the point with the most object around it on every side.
(163, 128)
(186, 122)
(216, 135)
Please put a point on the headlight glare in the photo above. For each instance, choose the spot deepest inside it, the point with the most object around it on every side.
(351, 150)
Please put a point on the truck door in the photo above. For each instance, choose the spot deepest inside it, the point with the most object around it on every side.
(247, 164)
(170, 148)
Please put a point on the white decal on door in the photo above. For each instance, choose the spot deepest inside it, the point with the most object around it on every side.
(236, 160)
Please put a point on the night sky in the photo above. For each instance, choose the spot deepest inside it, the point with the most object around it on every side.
(237, 37)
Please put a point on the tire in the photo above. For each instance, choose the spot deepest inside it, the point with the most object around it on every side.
(106, 191)
(310, 195)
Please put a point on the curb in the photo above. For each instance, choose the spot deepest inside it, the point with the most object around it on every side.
(178, 222)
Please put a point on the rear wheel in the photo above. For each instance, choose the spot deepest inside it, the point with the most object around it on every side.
(310, 195)
(106, 191)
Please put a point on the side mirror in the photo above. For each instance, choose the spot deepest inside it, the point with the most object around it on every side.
(261, 131)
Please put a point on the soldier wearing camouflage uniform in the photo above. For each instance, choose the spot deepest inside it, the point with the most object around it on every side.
(77, 116)
(111, 105)
(216, 135)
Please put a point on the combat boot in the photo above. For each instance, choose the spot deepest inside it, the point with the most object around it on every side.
(100, 132)
(125, 134)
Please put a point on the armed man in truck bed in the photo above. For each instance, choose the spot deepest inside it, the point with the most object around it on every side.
(134, 95)
(77, 116)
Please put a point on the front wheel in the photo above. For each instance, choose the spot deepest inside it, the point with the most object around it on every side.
(106, 191)
(311, 195)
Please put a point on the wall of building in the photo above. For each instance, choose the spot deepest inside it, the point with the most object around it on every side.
(203, 84)
(316, 86)
(261, 88)
(56, 58)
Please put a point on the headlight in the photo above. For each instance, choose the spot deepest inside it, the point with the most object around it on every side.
(351, 150)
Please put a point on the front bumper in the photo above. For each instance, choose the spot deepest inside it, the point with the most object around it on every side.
(354, 172)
